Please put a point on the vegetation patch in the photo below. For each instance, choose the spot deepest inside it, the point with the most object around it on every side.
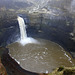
(61, 68)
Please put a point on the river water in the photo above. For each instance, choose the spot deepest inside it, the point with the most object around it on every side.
(40, 57)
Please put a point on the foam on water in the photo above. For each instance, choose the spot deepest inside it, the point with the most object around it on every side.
(28, 40)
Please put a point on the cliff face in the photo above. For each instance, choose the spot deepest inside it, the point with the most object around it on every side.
(2, 69)
(8, 24)
(13, 4)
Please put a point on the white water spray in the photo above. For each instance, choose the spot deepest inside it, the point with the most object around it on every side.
(24, 39)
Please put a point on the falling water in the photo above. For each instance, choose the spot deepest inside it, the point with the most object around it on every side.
(23, 35)
(22, 28)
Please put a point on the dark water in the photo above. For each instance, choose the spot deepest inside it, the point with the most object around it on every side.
(43, 57)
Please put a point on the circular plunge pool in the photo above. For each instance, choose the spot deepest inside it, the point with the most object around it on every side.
(42, 57)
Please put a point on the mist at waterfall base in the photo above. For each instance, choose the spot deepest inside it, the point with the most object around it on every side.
(23, 35)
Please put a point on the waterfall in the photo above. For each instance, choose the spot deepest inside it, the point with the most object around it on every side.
(22, 27)
(23, 35)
